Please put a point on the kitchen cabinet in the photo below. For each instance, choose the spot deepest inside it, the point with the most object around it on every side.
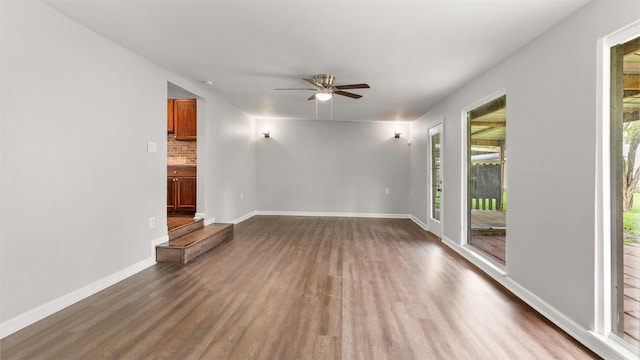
(182, 118)
(181, 189)
(170, 119)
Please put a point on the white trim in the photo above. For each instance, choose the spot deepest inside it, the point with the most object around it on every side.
(244, 217)
(468, 252)
(617, 346)
(598, 344)
(161, 240)
(209, 221)
(602, 223)
(334, 214)
(199, 216)
(420, 223)
(21, 321)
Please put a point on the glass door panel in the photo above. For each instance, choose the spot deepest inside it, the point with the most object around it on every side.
(486, 186)
(434, 201)
(436, 177)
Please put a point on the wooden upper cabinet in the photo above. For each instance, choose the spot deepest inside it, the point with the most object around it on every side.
(184, 125)
(170, 120)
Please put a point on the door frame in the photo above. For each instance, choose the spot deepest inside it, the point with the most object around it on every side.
(435, 225)
(605, 300)
(465, 208)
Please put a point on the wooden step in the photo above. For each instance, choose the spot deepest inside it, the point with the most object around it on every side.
(187, 247)
(185, 229)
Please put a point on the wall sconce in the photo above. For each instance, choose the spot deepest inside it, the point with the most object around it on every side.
(266, 133)
(397, 134)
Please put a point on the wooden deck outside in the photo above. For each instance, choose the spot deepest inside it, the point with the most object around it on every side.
(632, 293)
(488, 232)
(488, 219)
(486, 237)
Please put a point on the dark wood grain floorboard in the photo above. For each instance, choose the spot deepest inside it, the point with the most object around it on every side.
(303, 288)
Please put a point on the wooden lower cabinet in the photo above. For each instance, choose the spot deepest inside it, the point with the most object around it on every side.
(181, 189)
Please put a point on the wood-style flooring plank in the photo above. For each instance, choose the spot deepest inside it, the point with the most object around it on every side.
(303, 288)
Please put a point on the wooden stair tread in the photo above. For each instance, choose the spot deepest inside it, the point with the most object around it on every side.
(198, 235)
(186, 228)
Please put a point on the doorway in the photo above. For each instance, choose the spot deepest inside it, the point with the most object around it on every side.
(181, 156)
(625, 191)
(486, 186)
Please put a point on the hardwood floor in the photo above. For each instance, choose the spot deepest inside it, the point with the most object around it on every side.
(303, 288)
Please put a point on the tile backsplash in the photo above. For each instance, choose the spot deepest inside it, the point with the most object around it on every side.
(180, 152)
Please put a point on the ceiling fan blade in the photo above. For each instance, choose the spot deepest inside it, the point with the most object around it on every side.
(351, 95)
(353, 86)
(297, 89)
(312, 97)
(312, 82)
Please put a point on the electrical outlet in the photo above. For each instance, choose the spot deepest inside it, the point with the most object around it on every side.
(386, 190)
(152, 222)
(152, 147)
(241, 196)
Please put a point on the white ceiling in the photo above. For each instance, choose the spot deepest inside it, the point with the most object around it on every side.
(411, 53)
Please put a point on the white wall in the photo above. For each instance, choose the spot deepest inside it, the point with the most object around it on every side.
(78, 186)
(321, 166)
(551, 130)
(231, 166)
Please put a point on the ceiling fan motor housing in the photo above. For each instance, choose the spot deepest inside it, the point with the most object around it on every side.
(324, 79)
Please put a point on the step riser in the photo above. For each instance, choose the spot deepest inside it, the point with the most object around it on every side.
(202, 247)
(185, 229)
(184, 255)
(170, 255)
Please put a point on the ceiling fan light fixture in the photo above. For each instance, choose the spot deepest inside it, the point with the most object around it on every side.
(323, 96)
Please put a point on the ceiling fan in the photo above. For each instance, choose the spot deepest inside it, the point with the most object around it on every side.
(324, 88)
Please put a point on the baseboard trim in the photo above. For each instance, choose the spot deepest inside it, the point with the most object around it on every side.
(21, 321)
(582, 335)
(160, 240)
(419, 223)
(244, 217)
(333, 214)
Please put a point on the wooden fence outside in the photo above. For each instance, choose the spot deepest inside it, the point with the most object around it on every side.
(485, 187)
